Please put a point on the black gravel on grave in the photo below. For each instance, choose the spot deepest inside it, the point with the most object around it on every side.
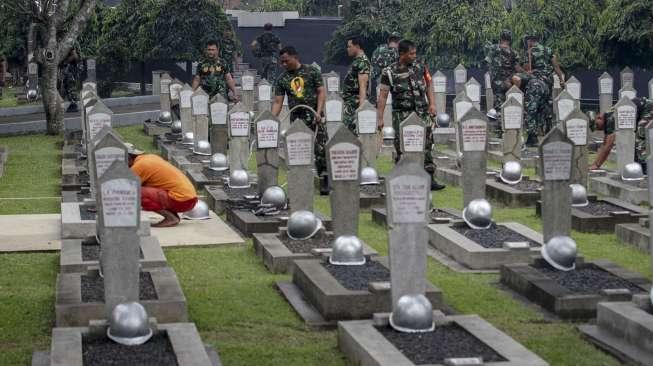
(91, 252)
(439, 214)
(85, 214)
(320, 240)
(494, 237)
(524, 185)
(445, 341)
(372, 189)
(238, 193)
(102, 351)
(172, 136)
(194, 158)
(82, 196)
(588, 279)
(357, 278)
(93, 288)
(600, 208)
(214, 174)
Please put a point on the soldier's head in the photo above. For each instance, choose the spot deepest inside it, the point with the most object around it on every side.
(506, 36)
(267, 27)
(393, 40)
(354, 46)
(288, 58)
(407, 52)
(212, 49)
(598, 124)
(531, 39)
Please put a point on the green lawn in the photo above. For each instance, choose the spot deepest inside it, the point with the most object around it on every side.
(232, 298)
(8, 98)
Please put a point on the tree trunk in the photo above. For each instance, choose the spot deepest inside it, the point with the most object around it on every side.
(51, 99)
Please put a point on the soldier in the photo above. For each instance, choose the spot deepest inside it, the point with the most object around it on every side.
(213, 74)
(605, 122)
(265, 47)
(354, 92)
(382, 57)
(503, 63)
(302, 84)
(409, 83)
(69, 77)
(228, 50)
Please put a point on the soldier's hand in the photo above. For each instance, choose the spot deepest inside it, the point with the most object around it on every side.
(379, 122)
(235, 98)
(432, 110)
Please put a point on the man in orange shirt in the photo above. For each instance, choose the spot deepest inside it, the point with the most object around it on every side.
(164, 188)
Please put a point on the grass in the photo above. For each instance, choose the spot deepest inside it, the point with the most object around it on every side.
(8, 98)
(231, 296)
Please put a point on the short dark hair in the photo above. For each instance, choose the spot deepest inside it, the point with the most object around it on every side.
(267, 26)
(405, 46)
(289, 50)
(212, 42)
(356, 41)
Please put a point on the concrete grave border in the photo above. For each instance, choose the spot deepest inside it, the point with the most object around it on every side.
(73, 227)
(509, 196)
(634, 234)
(248, 223)
(611, 185)
(379, 216)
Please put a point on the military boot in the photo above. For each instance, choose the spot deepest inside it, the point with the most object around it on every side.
(435, 186)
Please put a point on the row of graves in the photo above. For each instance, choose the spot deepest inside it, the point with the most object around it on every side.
(117, 300)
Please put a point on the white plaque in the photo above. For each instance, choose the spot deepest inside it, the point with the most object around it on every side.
(474, 92)
(488, 81)
(574, 90)
(556, 81)
(267, 134)
(474, 133)
(90, 64)
(185, 96)
(388, 101)
(630, 94)
(626, 117)
(264, 93)
(105, 156)
(413, 138)
(84, 94)
(239, 124)
(367, 121)
(344, 158)
(605, 86)
(95, 123)
(462, 108)
(557, 160)
(120, 204)
(247, 82)
(32, 68)
(518, 97)
(174, 91)
(409, 199)
(333, 111)
(565, 107)
(513, 117)
(333, 84)
(577, 131)
(219, 114)
(165, 86)
(299, 146)
(439, 84)
(200, 105)
(627, 79)
(460, 76)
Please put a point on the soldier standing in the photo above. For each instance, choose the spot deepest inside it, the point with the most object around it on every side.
(228, 50)
(213, 73)
(302, 84)
(503, 63)
(355, 86)
(69, 77)
(409, 83)
(382, 57)
(265, 48)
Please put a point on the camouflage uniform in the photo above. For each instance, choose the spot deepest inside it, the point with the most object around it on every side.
(213, 76)
(539, 115)
(360, 66)
(408, 88)
(69, 77)
(268, 44)
(301, 88)
(382, 57)
(227, 51)
(501, 63)
(644, 117)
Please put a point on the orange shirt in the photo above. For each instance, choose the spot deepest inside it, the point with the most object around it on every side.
(158, 173)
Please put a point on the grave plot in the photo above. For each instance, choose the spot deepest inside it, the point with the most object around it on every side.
(523, 194)
(78, 221)
(169, 148)
(528, 159)
(191, 161)
(222, 197)
(435, 216)
(635, 234)
(167, 138)
(154, 128)
(203, 177)
(610, 184)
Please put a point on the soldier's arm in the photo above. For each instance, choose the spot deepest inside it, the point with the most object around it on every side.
(363, 79)
(276, 106)
(321, 99)
(604, 151)
(557, 69)
(231, 84)
(196, 82)
(380, 105)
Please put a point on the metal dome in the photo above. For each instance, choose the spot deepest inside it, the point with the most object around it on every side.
(347, 250)
(303, 225)
(129, 324)
(478, 214)
(511, 172)
(199, 212)
(560, 252)
(413, 314)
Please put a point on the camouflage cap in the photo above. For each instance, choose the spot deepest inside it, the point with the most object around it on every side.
(395, 35)
(506, 34)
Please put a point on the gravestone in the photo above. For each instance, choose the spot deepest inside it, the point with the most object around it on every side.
(573, 87)
(264, 96)
(649, 172)
(164, 92)
(412, 138)
(186, 109)
(473, 92)
(107, 147)
(557, 154)
(90, 69)
(119, 214)
(564, 104)
(557, 88)
(460, 78)
(473, 141)
(343, 154)
(299, 141)
(625, 114)
(628, 91)
(489, 93)
(267, 150)
(515, 92)
(331, 82)
(367, 133)
(98, 116)
(512, 119)
(33, 75)
(440, 91)
(606, 87)
(247, 84)
(333, 113)
(627, 77)
(239, 127)
(156, 81)
(200, 111)
(576, 127)
(407, 205)
(219, 133)
(461, 105)
(175, 89)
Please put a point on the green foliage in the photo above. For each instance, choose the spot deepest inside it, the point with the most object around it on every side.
(626, 30)
(13, 37)
(277, 5)
(90, 42)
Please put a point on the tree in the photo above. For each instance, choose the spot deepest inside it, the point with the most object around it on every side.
(626, 32)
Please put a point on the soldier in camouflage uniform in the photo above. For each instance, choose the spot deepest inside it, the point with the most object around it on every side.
(409, 83)
(606, 122)
(265, 47)
(228, 50)
(303, 85)
(69, 77)
(354, 91)
(503, 63)
(213, 74)
(382, 57)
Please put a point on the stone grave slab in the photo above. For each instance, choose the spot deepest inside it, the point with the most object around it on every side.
(372, 195)
(248, 223)
(478, 250)
(41, 232)
(342, 296)
(634, 234)
(453, 175)
(573, 298)
(436, 216)
(190, 161)
(162, 297)
(523, 194)
(363, 343)
(169, 148)
(152, 128)
(221, 197)
(278, 258)
(202, 176)
(212, 231)
(611, 185)
(81, 255)
(77, 222)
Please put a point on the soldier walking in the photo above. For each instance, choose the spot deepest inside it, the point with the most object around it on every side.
(69, 77)
(409, 82)
(503, 63)
(354, 92)
(382, 57)
(213, 73)
(265, 48)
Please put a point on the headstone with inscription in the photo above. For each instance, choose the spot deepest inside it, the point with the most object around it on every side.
(473, 91)
(489, 93)
(512, 119)
(473, 141)
(333, 113)
(573, 87)
(625, 115)
(107, 147)
(367, 133)
(439, 81)
(343, 154)
(606, 89)
(515, 92)
(628, 91)
(331, 82)
(200, 110)
(412, 138)
(576, 127)
(267, 150)
(164, 92)
(459, 78)
(32, 72)
(627, 77)
(461, 105)
(90, 69)
(239, 128)
(264, 91)
(564, 104)
(219, 135)
(557, 88)
(299, 154)
(98, 116)
(556, 154)
(186, 109)
(247, 84)
(175, 89)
